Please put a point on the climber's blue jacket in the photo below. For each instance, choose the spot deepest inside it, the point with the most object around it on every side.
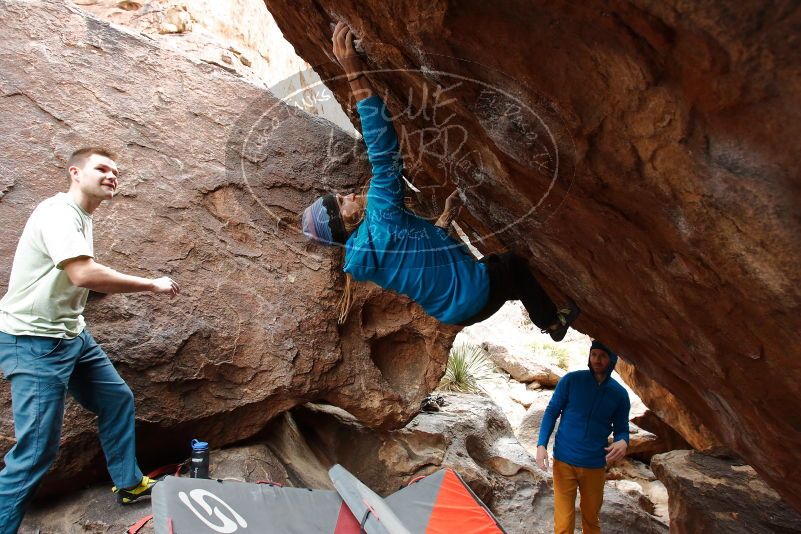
(398, 250)
(589, 412)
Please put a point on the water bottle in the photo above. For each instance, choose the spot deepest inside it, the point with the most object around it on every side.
(199, 460)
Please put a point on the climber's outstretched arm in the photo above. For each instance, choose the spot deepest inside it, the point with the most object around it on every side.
(383, 148)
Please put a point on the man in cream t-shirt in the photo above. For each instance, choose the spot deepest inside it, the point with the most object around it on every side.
(45, 350)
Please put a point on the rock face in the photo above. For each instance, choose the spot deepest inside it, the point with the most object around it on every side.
(669, 409)
(251, 463)
(712, 495)
(671, 439)
(239, 36)
(637, 154)
(213, 174)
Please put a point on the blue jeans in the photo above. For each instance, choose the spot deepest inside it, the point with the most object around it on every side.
(41, 370)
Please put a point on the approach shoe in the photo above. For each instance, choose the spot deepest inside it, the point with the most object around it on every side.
(565, 316)
(129, 495)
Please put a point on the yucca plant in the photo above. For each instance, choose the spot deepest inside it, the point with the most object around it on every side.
(467, 366)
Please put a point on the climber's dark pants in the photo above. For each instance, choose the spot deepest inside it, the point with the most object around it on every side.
(510, 279)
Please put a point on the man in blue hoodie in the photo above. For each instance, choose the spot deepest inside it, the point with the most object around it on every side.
(591, 405)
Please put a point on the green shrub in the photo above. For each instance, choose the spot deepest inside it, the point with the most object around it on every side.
(559, 355)
(467, 366)
(562, 357)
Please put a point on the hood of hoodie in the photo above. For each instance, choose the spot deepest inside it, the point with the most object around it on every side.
(612, 357)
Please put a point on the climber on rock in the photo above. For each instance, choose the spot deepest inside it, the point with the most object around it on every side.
(590, 405)
(394, 248)
(45, 349)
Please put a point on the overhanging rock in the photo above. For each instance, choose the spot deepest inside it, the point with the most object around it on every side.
(638, 154)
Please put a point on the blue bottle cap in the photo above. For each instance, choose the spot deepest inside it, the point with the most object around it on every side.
(199, 445)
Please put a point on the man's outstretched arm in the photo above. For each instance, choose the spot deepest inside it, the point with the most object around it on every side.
(86, 272)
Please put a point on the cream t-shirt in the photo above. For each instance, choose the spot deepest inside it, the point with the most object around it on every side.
(41, 300)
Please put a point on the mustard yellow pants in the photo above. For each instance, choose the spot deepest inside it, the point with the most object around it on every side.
(590, 483)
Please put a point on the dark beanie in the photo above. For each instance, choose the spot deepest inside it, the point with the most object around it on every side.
(598, 345)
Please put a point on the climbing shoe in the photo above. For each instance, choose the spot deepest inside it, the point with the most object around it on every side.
(129, 495)
(429, 404)
(432, 403)
(565, 318)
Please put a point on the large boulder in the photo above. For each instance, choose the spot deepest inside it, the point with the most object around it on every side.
(627, 512)
(523, 367)
(708, 494)
(247, 463)
(214, 173)
(636, 479)
(529, 430)
(638, 155)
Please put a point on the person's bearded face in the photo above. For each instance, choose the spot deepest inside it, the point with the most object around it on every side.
(599, 361)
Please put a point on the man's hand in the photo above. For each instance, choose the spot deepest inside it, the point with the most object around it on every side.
(616, 451)
(86, 272)
(344, 51)
(542, 458)
(164, 285)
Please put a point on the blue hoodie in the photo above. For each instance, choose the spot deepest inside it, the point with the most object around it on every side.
(400, 251)
(589, 412)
